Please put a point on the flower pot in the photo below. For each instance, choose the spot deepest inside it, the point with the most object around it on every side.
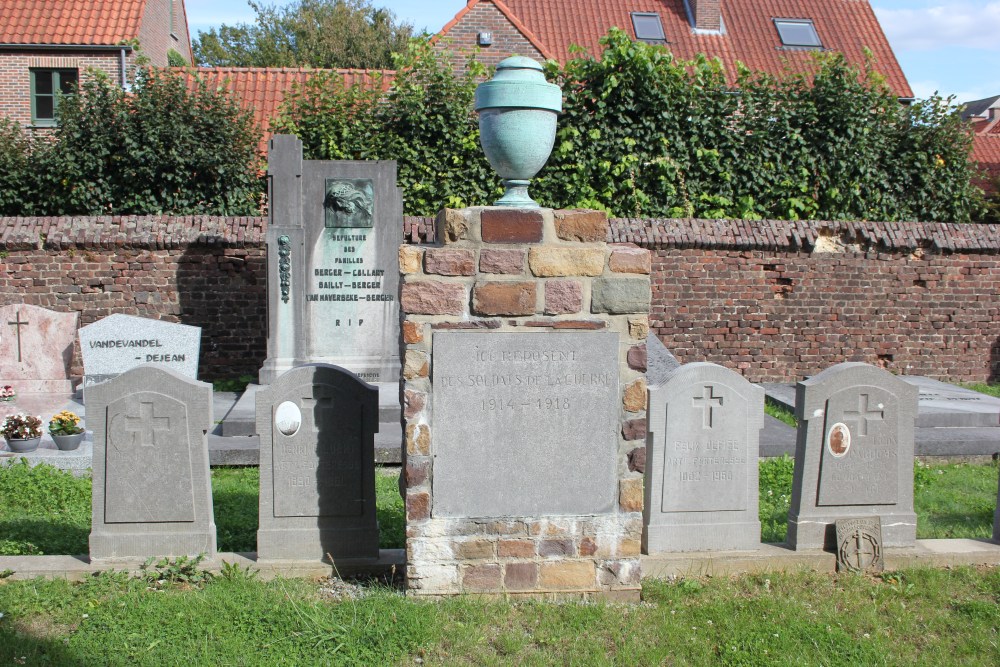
(517, 125)
(23, 445)
(67, 443)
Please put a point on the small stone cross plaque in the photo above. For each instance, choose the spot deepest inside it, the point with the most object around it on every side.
(859, 545)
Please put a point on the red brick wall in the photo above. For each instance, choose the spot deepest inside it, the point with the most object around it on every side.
(15, 79)
(707, 14)
(155, 36)
(485, 17)
(757, 297)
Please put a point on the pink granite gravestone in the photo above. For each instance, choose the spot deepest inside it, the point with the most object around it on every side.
(36, 348)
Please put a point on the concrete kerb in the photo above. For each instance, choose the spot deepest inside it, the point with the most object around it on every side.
(769, 558)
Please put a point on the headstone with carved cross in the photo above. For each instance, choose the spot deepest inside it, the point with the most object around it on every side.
(996, 518)
(152, 491)
(36, 348)
(701, 461)
(317, 426)
(854, 455)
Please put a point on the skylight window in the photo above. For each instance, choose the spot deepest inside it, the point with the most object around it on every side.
(648, 28)
(799, 33)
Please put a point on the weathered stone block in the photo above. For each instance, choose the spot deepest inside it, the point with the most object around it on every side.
(550, 262)
(581, 225)
(413, 332)
(520, 576)
(418, 506)
(432, 297)
(617, 296)
(504, 298)
(413, 403)
(475, 549)
(416, 472)
(418, 440)
(504, 225)
(415, 364)
(638, 327)
(634, 429)
(501, 261)
(637, 457)
(563, 297)
(482, 577)
(516, 549)
(629, 260)
(560, 548)
(409, 259)
(635, 396)
(637, 358)
(568, 575)
(452, 225)
(630, 495)
(449, 262)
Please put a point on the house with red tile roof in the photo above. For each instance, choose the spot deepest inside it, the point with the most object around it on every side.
(984, 118)
(766, 35)
(262, 90)
(49, 46)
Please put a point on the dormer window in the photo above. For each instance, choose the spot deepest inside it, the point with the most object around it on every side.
(648, 28)
(798, 33)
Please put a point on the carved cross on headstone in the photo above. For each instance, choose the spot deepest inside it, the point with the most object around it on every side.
(863, 415)
(17, 324)
(146, 425)
(706, 402)
(861, 554)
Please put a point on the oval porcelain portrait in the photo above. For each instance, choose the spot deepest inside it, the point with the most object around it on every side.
(838, 440)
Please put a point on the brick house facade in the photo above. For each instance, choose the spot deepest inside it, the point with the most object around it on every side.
(56, 44)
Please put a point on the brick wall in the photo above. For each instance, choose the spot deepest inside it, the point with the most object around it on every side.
(461, 40)
(773, 300)
(156, 36)
(15, 78)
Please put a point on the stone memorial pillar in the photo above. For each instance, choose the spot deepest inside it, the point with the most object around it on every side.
(523, 383)
(332, 280)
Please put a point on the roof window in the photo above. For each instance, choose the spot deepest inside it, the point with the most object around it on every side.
(799, 33)
(648, 28)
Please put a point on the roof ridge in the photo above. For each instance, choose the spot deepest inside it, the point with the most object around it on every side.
(510, 16)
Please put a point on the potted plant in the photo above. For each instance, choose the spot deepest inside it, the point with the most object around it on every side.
(22, 432)
(66, 431)
(7, 393)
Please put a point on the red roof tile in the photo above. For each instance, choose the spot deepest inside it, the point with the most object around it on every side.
(86, 22)
(848, 26)
(986, 150)
(263, 89)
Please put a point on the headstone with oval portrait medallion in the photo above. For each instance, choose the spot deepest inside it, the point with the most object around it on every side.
(317, 426)
(854, 455)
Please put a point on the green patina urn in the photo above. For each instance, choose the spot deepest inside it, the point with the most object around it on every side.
(517, 125)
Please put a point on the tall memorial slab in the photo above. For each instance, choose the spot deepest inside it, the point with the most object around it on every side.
(36, 348)
(854, 455)
(332, 264)
(152, 489)
(524, 392)
(317, 427)
(996, 517)
(701, 491)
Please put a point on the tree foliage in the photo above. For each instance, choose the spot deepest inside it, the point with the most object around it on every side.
(645, 134)
(161, 148)
(307, 33)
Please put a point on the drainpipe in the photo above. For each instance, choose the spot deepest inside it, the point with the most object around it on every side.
(121, 68)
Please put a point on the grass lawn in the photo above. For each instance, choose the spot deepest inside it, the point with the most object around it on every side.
(47, 511)
(921, 616)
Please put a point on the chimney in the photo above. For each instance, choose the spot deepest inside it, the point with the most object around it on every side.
(706, 14)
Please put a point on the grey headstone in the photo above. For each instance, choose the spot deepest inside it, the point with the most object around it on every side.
(36, 348)
(996, 517)
(853, 455)
(859, 545)
(701, 462)
(333, 264)
(525, 424)
(118, 343)
(317, 427)
(660, 362)
(152, 494)
(943, 405)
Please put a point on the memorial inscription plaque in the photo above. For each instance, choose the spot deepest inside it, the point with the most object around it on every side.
(525, 424)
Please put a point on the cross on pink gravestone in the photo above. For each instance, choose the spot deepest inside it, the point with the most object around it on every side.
(17, 324)
(146, 425)
(863, 415)
(705, 403)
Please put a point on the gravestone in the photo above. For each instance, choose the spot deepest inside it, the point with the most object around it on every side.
(853, 455)
(701, 488)
(660, 362)
(333, 264)
(525, 425)
(859, 545)
(317, 427)
(996, 517)
(118, 343)
(152, 493)
(36, 348)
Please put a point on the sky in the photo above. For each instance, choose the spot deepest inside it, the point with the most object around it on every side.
(947, 46)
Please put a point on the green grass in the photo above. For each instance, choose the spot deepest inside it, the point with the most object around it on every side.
(983, 388)
(920, 616)
(47, 511)
(781, 413)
